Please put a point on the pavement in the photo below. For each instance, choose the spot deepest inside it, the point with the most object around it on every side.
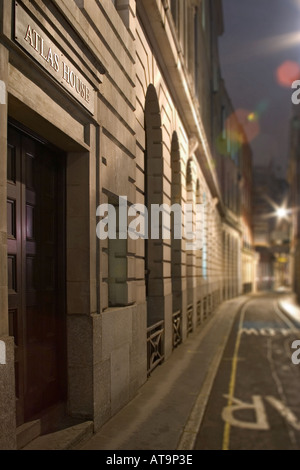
(290, 307)
(168, 410)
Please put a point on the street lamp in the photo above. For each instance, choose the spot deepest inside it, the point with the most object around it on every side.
(281, 212)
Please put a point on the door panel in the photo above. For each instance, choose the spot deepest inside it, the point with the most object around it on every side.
(36, 272)
(14, 248)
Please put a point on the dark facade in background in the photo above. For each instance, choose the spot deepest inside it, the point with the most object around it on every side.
(294, 181)
(271, 232)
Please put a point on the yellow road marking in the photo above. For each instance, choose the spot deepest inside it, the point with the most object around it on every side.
(226, 434)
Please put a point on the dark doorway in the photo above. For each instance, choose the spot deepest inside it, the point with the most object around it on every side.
(36, 271)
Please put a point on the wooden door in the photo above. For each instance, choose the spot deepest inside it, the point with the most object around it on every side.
(36, 272)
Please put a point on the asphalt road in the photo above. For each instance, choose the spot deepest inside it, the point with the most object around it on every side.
(255, 399)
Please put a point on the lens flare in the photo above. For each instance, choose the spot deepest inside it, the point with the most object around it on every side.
(221, 145)
(241, 127)
(249, 122)
(297, 3)
(252, 117)
(287, 73)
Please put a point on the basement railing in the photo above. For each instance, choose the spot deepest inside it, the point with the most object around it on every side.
(199, 313)
(204, 308)
(155, 346)
(177, 336)
(189, 314)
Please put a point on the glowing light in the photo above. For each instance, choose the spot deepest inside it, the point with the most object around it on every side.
(249, 122)
(278, 42)
(297, 3)
(241, 127)
(264, 47)
(287, 73)
(281, 212)
(252, 117)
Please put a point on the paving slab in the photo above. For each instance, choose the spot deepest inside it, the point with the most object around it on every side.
(66, 439)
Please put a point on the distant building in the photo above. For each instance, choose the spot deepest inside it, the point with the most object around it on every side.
(249, 258)
(271, 232)
(294, 181)
(234, 170)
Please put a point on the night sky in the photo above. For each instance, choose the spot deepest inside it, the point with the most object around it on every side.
(262, 40)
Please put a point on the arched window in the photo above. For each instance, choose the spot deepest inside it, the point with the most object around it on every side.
(204, 239)
(153, 195)
(176, 244)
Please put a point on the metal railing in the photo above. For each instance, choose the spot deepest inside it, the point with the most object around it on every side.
(155, 346)
(205, 308)
(189, 315)
(199, 320)
(209, 304)
(177, 336)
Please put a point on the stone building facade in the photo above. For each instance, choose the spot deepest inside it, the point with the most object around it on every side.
(233, 157)
(249, 257)
(102, 100)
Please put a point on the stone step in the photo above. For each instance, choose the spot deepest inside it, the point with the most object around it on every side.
(65, 439)
(28, 432)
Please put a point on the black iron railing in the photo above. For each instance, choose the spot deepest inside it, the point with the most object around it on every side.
(205, 308)
(155, 346)
(177, 336)
(199, 320)
(209, 304)
(189, 315)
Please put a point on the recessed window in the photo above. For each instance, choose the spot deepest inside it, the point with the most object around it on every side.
(117, 267)
(203, 15)
(175, 12)
(11, 163)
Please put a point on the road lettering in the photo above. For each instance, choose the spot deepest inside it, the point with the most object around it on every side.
(267, 331)
(261, 422)
(285, 412)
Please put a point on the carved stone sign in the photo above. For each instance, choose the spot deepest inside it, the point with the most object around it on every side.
(38, 44)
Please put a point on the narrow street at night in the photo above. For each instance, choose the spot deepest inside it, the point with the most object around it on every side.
(231, 386)
(149, 227)
(255, 400)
